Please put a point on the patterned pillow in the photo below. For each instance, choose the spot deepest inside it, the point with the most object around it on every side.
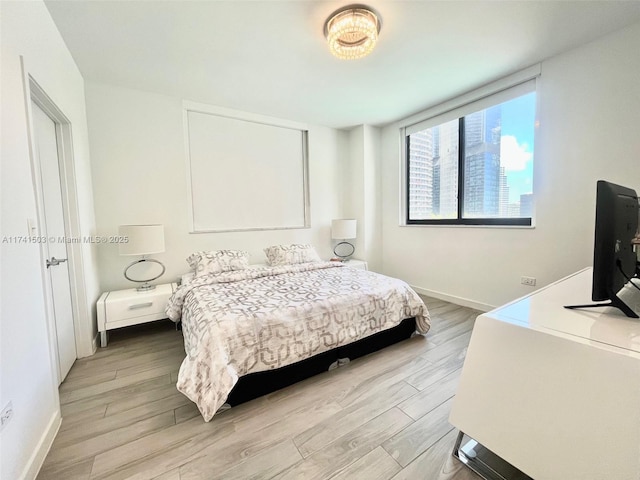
(290, 254)
(218, 261)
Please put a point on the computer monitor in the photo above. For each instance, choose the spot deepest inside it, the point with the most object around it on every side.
(614, 258)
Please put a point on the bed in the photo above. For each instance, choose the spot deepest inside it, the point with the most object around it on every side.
(250, 331)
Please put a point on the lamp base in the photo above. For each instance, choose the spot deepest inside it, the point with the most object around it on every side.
(146, 286)
(344, 250)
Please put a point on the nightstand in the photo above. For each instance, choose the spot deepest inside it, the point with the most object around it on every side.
(359, 264)
(123, 308)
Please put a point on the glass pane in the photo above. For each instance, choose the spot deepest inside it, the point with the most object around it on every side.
(498, 169)
(433, 172)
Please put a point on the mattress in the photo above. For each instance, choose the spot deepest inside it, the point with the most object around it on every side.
(260, 319)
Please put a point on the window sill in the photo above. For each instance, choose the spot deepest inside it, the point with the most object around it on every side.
(459, 225)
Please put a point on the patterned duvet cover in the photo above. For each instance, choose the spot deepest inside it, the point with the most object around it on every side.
(261, 319)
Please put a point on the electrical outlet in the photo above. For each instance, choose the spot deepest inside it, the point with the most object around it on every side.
(531, 281)
(5, 415)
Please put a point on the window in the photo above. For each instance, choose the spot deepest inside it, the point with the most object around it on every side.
(272, 167)
(477, 167)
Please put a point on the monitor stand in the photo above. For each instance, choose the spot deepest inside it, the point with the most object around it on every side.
(615, 302)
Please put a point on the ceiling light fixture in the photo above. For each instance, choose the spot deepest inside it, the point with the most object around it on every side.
(352, 31)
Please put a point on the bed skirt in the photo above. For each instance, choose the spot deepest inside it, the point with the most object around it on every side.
(258, 384)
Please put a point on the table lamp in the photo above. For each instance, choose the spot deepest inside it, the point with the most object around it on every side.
(142, 240)
(343, 229)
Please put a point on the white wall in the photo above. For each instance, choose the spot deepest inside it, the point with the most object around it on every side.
(589, 99)
(361, 184)
(26, 366)
(139, 176)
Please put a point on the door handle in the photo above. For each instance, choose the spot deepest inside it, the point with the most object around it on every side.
(55, 261)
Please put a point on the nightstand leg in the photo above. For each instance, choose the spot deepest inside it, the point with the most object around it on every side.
(103, 339)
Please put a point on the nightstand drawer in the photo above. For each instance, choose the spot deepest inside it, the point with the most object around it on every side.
(130, 308)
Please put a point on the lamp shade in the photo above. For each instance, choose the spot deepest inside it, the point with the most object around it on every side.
(343, 228)
(143, 239)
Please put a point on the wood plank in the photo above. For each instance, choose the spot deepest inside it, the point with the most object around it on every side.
(253, 434)
(425, 401)
(332, 415)
(186, 412)
(456, 347)
(173, 361)
(439, 369)
(455, 329)
(265, 464)
(76, 471)
(115, 384)
(362, 387)
(437, 463)
(128, 357)
(348, 448)
(420, 435)
(77, 420)
(143, 389)
(172, 475)
(375, 465)
(98, 426)
(121, 403)
(346, 420)
(68, 455)
(160, 451)
(78, 382)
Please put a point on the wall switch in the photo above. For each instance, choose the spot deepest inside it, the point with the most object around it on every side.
(32, 227)
(5, 415)
(530, 281)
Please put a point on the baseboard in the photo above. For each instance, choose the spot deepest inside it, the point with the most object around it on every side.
(34, 464)
(465, 302)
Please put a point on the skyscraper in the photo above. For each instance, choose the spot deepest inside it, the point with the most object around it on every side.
(448, 169)
(421, 175)
(482, 163)
(526, 205)
(504, 194)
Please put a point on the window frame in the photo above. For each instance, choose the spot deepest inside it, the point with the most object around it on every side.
(449, 111)
(459, 220)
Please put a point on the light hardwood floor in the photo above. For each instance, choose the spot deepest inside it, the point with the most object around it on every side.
(383, 416)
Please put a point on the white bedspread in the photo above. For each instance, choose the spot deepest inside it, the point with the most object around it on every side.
(260, 319)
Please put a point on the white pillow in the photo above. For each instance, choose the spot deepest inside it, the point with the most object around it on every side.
(291, 254)
(218, 261)
(187, 277)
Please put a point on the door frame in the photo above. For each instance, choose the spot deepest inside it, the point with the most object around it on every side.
(71, 212)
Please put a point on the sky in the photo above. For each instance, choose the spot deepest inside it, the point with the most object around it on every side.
(516, 144)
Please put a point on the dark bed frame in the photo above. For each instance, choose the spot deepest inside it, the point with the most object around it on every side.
(258, 384)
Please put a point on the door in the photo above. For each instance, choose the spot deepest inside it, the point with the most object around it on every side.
(53, 230)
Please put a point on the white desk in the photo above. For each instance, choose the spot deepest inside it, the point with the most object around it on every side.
(556, 392)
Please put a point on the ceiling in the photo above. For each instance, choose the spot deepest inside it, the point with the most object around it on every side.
(270, 57)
